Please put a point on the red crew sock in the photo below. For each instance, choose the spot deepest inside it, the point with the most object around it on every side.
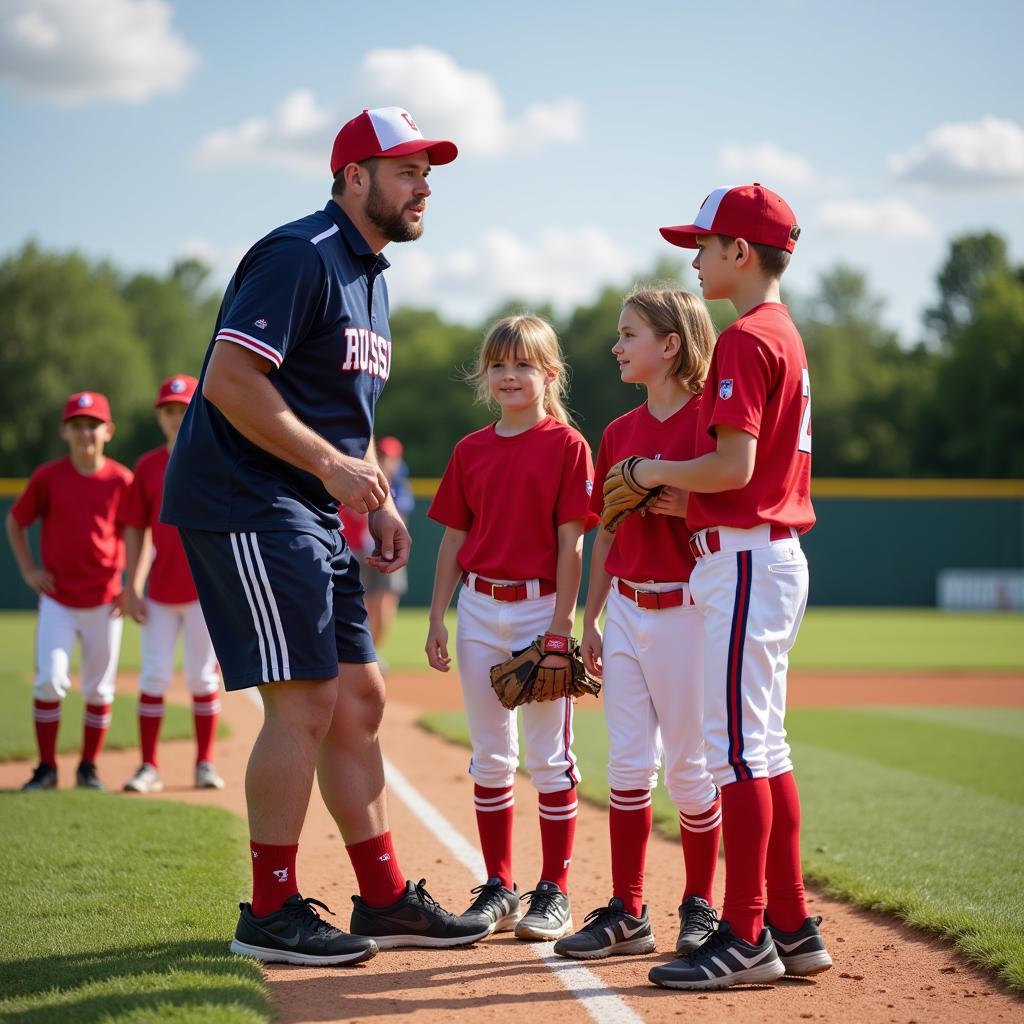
(273, 876)
(151, 718)
(205, 711)
(746, 825)
(46, 716)
(495, 809)
(700, 835)
(557, 834)
(629, 828)
(378, 876)
(97, 722)
(787, 908)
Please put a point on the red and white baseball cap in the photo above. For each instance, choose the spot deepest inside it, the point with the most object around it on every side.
(386, 131)
(390, 446)
(87, 403)
(176, 389)
(752, 212)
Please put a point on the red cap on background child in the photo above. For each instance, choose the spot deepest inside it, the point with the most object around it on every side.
(87, 403)
(179, 388)
(752, 212)
(390, 446)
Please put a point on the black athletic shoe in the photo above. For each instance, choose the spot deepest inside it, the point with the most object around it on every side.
(297, 934)
(417, 919)
(722, 961)
(697, 920)
(609, 931)
(549, 916)
(802, 952)
(44, 777)
(495, 907)
(86, 777)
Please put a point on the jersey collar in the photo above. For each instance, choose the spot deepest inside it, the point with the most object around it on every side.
(374, 261)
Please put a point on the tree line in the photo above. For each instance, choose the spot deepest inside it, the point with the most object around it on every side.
(950, 405)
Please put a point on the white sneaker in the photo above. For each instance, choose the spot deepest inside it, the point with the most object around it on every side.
(145, 780)
(207, 777)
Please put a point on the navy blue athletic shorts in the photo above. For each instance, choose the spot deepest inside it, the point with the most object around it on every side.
(280, 604)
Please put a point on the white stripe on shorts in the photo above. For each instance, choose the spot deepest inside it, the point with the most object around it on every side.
(286, 668)
(236, 549)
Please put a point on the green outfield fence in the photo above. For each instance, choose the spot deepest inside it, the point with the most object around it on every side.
(876, 542)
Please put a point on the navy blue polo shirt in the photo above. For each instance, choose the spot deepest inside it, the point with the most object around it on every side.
(311, 298)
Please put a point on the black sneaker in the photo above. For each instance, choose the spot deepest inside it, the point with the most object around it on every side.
(44, 777)
(697, 920)
(86, 777)
(417, 919)
(549, 916)
(609, 931)
(495, 907)
(802, 952)
(297, 934)
(722, 961)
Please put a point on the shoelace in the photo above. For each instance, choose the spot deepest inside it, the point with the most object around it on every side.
(304, 911)
(489, 896)
(717, 941)
(542, 902)
(598, 919)
(697, 916)
(428, 901)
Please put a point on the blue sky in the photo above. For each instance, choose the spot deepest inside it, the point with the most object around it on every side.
(142, 130)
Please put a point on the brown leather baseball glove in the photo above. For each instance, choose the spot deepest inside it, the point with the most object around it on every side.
(623, 495)
(525, 677)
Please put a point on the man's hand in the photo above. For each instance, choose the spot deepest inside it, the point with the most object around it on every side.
(359, 484)
(393, 542)
(40, 581)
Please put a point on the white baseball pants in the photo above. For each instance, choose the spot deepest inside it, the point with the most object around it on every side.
(488, 631)
(653, 698)
(159, 637)
(96, 630)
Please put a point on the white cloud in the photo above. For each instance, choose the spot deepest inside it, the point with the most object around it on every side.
(73, 52)
(446, 100)
(882, 218)
(563, 266)
(767, 163)
(222, 260)
(297, 135)
(989, 152)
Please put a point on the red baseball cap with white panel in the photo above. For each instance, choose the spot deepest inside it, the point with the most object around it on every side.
(752, 212)
(388, 132)
(180, 388)
(87, 403)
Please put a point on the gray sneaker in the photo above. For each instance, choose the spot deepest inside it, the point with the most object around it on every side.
(802, 952)
(721, 962)
(44, 777)
(145, 780)
(549, 916)
(495, 907)
(207, 777)
(609, 931)
(697, 920)
(86, 777)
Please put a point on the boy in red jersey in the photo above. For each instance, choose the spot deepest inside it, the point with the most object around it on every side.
(170, 607)
(79, 584)
(749, 503)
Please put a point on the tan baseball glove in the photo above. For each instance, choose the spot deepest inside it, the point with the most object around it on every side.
(623, 495)
(524, 677)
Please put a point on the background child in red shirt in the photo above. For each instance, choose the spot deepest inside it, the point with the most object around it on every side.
(170, 606)
(76, 498)
(515, 501)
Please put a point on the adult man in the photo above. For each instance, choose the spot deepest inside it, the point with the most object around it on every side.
(281, 433)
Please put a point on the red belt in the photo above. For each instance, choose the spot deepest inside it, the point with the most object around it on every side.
(654, 599)
(507, 591)
(714, 542)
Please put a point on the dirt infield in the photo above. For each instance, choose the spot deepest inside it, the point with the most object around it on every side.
(884, 972)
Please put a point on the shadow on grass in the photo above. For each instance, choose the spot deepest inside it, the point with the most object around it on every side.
(102, 985)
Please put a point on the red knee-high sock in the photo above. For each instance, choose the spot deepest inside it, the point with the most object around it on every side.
(378, 876)
(151, 717)
(495, 809)
(46, 716)
(746, 825)
(205, 711)
(700, 834)
(97, 722)
(629, 828)
(273, 876)
(557, 834)
(787, 908)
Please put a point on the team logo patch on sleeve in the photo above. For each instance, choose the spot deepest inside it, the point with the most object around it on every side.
(590, 487)
(725, 388)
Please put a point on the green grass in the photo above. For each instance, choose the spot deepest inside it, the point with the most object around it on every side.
(917, 812)
(833, 640)
(122, 913)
